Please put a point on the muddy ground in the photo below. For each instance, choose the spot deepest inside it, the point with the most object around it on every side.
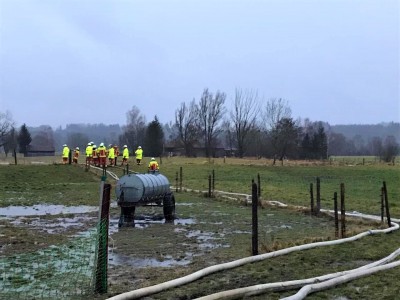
(205, 232)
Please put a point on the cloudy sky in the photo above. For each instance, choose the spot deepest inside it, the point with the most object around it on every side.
(90, 61)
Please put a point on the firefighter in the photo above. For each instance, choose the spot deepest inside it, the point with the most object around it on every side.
(89, 153)
(111, 155)
(116, 153)
(153, 165)
(65, 154)
(125, 155)
(102, 155)
(95, 155)
(76, 155)
(139, 155)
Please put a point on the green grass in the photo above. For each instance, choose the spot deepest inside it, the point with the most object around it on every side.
(290, 182)
(33, 184)
(49, 184)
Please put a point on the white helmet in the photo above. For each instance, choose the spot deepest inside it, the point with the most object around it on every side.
(65, 145)
(94, 146)
(89, 144)
(153, 158)
(140, 147)
(125, 146)
(101, 144)
(77, 148)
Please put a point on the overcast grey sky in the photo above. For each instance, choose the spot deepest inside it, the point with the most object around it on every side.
(90, 61)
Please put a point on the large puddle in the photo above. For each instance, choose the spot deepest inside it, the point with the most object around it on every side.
(42, 210)
(116, 259)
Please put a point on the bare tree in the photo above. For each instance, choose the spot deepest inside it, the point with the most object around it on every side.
(6, 125)
(229, 136)
(243, 117)
(390, 148)
(186, 122)
(275, 110)
(134, 131)
(210, 112)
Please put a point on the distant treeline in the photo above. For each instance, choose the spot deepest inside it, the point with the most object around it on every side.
(367, 132)
(357, 137)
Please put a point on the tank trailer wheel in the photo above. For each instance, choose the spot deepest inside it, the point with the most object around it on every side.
(169, 207)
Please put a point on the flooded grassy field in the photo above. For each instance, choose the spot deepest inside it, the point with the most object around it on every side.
(206, 232)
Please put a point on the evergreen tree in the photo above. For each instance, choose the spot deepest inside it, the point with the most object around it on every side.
(10, 141)
(306, 147)
(24, 139)
(154, 139)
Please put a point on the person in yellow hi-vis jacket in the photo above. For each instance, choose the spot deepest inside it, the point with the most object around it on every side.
(153, 165)
(89, 153)
(111, 155)
(65, 154)
(125, 155)
(139, 155)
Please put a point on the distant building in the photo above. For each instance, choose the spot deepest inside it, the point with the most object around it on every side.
(39, 150)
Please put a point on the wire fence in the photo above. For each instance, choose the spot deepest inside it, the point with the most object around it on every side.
(64, 271)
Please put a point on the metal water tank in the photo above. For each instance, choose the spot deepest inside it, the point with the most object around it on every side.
(136, 188)
(144, 189)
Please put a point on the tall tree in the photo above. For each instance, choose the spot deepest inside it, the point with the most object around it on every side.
(376, 146)
(284, 138)
(210, 112)
(187, 124)
(390, 148)
(6, 125)
(24, 139)
(319, 143)
(11, 142)
(154, 139)
(243, 116)
(275, 110)
(134, 131)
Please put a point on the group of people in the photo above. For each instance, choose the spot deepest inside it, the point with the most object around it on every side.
(98, 155)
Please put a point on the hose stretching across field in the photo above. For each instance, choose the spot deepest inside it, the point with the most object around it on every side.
(258, 289)
(112, 174)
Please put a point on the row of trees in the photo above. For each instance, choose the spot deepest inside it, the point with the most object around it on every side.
(10, 138)
(251, 127)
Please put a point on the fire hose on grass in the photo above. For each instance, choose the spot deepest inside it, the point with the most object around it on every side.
(309, 284)
(135, 294)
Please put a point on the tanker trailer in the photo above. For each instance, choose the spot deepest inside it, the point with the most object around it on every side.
(151, 189)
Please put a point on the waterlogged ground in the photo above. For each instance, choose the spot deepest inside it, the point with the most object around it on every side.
(205, 232)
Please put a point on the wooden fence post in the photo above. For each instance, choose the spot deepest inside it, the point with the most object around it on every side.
(213, 182)
(176, 182)
(254, 205)
(387, 205)
(180, 178)
(311, 198)
(318, 195)
(335, 205)
(342, 211)
(209, 185)
(382, 204)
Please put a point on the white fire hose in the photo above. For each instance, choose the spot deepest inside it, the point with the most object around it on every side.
(135, 294)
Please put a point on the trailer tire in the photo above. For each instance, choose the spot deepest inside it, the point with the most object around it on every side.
(169, 207)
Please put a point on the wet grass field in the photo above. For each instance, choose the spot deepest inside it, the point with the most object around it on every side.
(206, 231)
